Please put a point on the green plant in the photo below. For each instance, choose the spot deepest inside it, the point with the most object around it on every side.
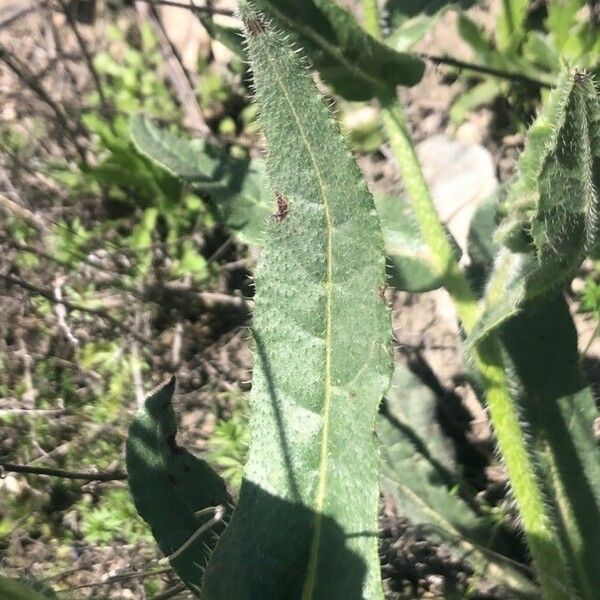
(533, 43)
(114, 518)
(304, 525)
(25, 589)
(229, 447)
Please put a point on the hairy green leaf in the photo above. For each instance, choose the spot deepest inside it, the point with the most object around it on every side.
(551, 210)
(306, 522)
(170, 486)
(419, 473)
(238, 187)
(189, 160)
(247, 201)
(558, 405)
(354, 63)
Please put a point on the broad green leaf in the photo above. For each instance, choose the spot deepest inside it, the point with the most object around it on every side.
(17, 589)
(488, 56)
(551, 210)
(540, 51)
(355, 64)
(247, 201)
(306, 522)
(559, 409)
(238, 187)
(561, 18)
(410, 265)
(189, 160)
(169, 486)
(419, 474)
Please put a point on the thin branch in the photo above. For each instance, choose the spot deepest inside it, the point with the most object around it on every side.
(71, 306)
(84, 50)
(171, 592)
(11, 207)
(460, 64)
(61, 312)
(115, 475)
(176, 72)
(124, 576)
(190, 300)
(11, 13)
(35, 412)
(193, 7)
(21, 70)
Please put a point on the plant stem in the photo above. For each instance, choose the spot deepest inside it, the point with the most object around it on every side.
(504, 413)
(51, 472)
(432, 229)
(371, 18)
(536, 520)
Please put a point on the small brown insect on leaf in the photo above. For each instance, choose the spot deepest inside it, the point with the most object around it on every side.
(255, 26)
(283, 208)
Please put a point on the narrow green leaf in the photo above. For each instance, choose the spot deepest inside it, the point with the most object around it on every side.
(481, 246)
(169, 486)
(551, 210)
(559, 408)
(420, 476)
(353, 62)
(479, 95)
(306, 522)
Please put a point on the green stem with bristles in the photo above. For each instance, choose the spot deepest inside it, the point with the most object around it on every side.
(504, 414)
(432, 229)
(371, 18)
(535, 518)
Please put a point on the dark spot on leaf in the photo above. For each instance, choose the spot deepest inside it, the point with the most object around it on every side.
(171, 478)
(283, 208)
(255, 26)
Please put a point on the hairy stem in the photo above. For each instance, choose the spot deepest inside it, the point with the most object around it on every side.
(535, 518)
(426, 214)
(371, 18)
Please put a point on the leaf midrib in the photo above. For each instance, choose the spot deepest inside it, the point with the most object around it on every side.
(310, 578)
